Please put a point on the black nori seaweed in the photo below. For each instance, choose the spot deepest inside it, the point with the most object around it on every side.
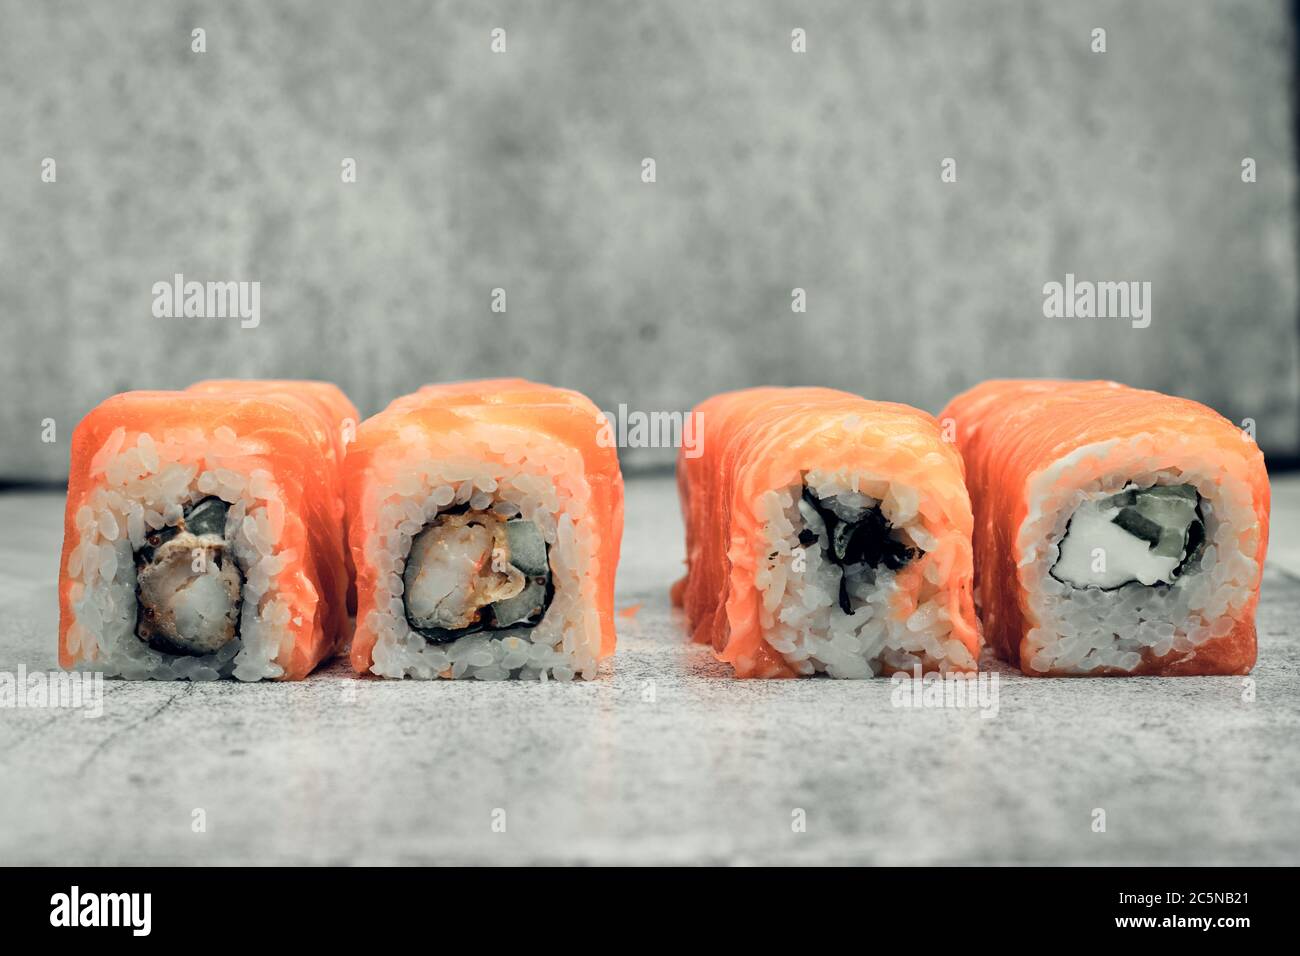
(868, 541)
(207, 516)
(1195, 540)
(166, 646)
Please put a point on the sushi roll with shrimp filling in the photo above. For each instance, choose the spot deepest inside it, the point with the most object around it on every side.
(485, 534)
(476, 570)
(187, 548)
(189, 584)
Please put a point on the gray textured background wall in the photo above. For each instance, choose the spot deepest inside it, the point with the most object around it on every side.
(522, 170)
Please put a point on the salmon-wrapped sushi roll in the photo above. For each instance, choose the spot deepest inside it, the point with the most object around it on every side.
(485, 520)
(1117, 531)
(203, 537)
(826, 533)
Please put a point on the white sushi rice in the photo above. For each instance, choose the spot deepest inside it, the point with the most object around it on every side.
(147, 481)
(516, 473)
(1079, 630)
(800, 613)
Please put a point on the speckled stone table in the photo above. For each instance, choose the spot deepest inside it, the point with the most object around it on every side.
(661, 760)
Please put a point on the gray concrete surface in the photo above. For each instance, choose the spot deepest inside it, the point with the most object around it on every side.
(522, 170)
(664, 760)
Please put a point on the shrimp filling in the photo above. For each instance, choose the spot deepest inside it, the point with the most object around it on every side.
(470, 571)
(188, 584)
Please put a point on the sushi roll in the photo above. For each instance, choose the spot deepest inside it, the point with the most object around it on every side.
(826, 534)
(203, 537)
(484, 519)
(1117, 531)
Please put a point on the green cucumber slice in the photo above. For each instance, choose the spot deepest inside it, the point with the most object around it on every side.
(527, 546)
(1140, 526)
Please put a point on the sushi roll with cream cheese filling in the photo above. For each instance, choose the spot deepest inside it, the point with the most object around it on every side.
(1117, 531)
